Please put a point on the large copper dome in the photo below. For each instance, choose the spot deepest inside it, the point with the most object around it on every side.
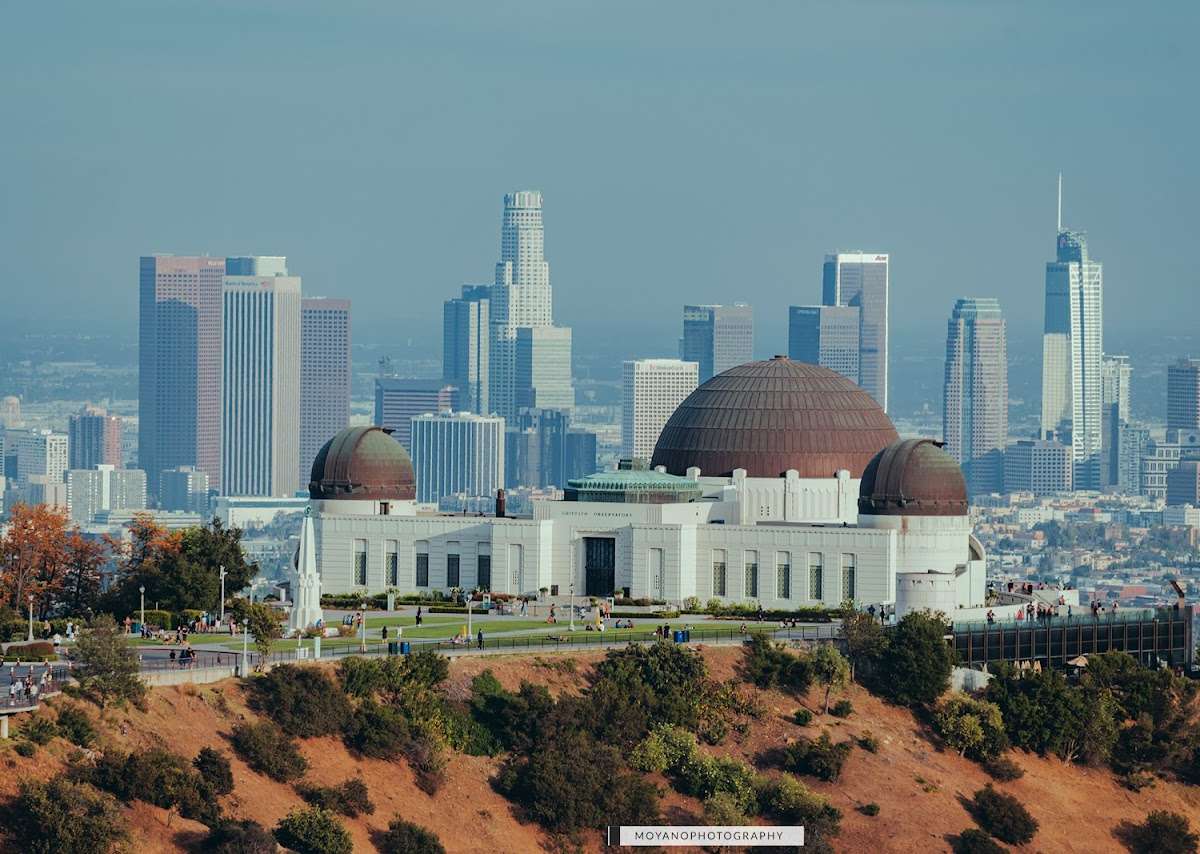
(362, 463)
(914, 477)
(768, 417)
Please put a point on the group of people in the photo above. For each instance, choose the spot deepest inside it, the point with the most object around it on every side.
(29, 685)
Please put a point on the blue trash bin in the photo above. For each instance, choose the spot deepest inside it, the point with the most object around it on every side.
(678, 635)
(405, 647)
(393, 648)
(687, 635)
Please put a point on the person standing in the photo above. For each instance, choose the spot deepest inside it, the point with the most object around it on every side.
(418, 616)
(479, 638)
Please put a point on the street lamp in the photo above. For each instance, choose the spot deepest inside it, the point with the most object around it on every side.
(142, 590)
(470, 602)
(363, 633)
(572, 627)
(222, 620)
(30, 617)
(245, 648)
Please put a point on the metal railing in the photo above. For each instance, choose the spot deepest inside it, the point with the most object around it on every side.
(1080, 616)
(25, 701)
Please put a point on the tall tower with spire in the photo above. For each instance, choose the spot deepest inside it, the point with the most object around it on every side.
(1073, 352)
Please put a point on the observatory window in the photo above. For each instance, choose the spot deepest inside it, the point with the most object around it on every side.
(751, 574)
(392, 563)
(718, 576)
(422, 564)
(452, 564)
(849, 570)
(360, 563)
(816, 572)
(783, 575)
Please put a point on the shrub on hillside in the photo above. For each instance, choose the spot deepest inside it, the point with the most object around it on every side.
(107, 667)
(664, 749)
(703, 776)
(871, 809)
(38, 729)
(304, 701)
(404, 837)
(213, 767)
(803, 717)
(428, 763)
(868, 743)
(789, 801)
(722, 809)
(268, 750)
(64, 817)
(1004, 769)
(975, 841)
(240, 837)
(1003, 816)
(75, 726)
(972, 727)
(771, 665)
(1162, 832)
(25, 748)
(350, 798)
(842, 709)
(313, 831)
(914, 667)
(512, 719)
(819, 758)
(360, 677)
(377, 731)
(157, 777)
(639, 686)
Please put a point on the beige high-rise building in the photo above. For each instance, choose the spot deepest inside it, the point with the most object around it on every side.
(652, 389)
(975, 399)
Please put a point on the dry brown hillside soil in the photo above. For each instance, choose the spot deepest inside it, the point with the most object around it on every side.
(916, 785)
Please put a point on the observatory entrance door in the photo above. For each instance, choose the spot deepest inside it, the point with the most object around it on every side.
(600, 565)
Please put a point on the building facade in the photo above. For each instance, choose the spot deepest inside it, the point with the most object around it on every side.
(1040, 466)
(261, 386)
(651, 390)
(179, 364)
(975, 393)
(324, 375)
(398, 401)
(185, 489)
(42, 454)
(717, 337)
(94, 439)
(543, 368)
(1183, 395)
(862, 279)
(457, 454)
(105, 487)
(542, 450)
(466, 331)
(825, 335)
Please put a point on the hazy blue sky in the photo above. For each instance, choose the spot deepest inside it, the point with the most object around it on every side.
(687, 152)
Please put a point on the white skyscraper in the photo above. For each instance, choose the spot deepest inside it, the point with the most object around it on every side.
(260, 437)
(975, 414)
(1072, 353)
(42, 453)
(521, 298)
(104, 487)
(861, 279)
(457, 453)
(1117, 373)
(652, 389)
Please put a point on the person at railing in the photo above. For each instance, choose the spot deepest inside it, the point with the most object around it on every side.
(991, 617)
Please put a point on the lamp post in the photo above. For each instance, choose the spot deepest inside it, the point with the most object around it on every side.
(572, 626)
(470, 602)
(363, 626)
(245, 648)
(222, 620)
(142, 590)
(31, 617)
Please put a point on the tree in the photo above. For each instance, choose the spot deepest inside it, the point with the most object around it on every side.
(1003, 816)
(915, 668)
(313, 831)
(263, 621)
(973, 727)
(865, 639)
(32, 553)
(83, 558)
(240, 837)
(304, 701)
(108, 667)
(831, 669)
(64, 817)
(214, 770)
(404, 837)
(1162, 832)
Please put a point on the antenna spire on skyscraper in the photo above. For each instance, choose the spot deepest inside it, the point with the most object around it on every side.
(1060, 201)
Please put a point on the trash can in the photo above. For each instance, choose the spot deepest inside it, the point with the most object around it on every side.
(687, 635)
(678, 636)
(393, 647)
(405, 647)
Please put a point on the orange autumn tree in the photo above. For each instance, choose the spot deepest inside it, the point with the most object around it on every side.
(33, 557)
(85, 558)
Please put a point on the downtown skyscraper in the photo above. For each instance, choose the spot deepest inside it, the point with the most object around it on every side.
(179, 364)
(324, 375)
(975, 399)
(466, 343)
(717, 337)
(260, 442)
(860, 279)
(529, 357)
(1072, 353)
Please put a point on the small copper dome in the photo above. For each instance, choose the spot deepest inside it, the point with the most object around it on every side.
(771, 416)
(362, 463)
(913, 477)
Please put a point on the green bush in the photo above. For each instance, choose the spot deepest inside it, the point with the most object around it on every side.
(914, 668)
(39, 729)
(213, 767)
(803, 717)
(108, 669)
(723, 809)
(75, 726)
(975, 728)
(1003, 816)
(975, 841)
(377, 731)
(268, 750)
(1162, 832)
(819, 758)
(159, 619)
(666, 748)
(1004, 769)
(869, 809)
(404, 837)
(868, 743)
(64, 817)
(304, 701)
(771, 665)
(789, 801)
(360, 677)
(350, 798)
(157, 777)
(28, 651)
(703, 776)
(842, 709)
(428, 763)
(240, 837)
(313, 831)
(25, 748)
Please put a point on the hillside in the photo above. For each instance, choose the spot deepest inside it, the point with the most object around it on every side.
(916, 785)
